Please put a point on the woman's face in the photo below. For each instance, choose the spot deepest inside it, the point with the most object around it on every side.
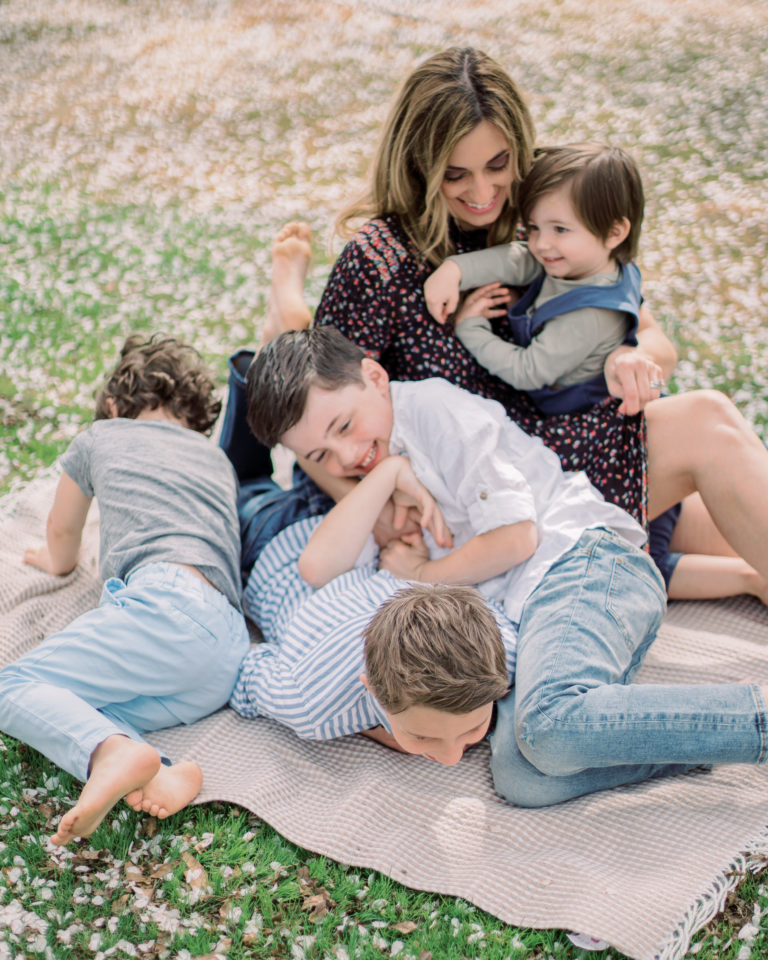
(478, 177)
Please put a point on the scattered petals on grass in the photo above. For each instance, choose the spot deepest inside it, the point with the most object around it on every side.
(151, 151)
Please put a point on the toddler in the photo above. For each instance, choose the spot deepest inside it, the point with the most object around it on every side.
(582, 207)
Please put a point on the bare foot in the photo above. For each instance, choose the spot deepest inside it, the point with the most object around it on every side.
(171, 789)
(118, 766)
(291, 253)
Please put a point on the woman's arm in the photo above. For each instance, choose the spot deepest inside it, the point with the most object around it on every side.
(480, 558)
(630, 370)
(361, 298)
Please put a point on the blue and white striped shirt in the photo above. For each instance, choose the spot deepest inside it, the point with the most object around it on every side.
(306, 674)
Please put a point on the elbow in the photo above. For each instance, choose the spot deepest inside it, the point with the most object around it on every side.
(530, 542)
(63, 551)
(312, 571)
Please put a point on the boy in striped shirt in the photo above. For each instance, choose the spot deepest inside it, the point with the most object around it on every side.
(565, 564)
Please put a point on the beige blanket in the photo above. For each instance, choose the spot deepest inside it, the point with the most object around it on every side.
(641, 867)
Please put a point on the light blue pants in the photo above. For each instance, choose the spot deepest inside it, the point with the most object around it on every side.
(162, 648)
(574, 723)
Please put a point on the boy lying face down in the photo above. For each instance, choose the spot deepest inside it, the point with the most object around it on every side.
(498, 512)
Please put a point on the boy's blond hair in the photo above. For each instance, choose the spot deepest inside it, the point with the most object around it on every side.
(437, 646)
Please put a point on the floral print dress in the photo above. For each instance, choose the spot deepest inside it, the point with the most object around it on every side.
(374, 296)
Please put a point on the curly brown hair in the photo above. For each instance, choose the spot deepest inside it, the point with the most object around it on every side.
(160, 372)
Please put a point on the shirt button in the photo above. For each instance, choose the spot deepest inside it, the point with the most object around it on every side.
(484, 495)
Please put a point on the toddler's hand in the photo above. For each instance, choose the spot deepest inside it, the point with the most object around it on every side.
(441, 291)
(492, 300)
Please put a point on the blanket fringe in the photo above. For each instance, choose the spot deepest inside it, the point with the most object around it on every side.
(712, 902)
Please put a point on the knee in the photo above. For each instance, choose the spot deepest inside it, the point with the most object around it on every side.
(522, 785)
(717, 413)
(699, 414)
(547, 737)
(528, 777)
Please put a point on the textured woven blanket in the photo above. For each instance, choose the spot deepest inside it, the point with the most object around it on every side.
(642, 867)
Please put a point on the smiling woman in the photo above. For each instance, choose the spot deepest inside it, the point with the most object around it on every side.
(457, 144)
(435, 191)
(475, 188)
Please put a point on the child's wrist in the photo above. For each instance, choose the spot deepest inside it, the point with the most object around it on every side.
(453, 269)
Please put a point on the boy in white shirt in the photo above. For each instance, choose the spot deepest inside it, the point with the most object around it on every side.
(565, 564)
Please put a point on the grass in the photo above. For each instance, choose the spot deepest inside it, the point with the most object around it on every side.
(150, 154)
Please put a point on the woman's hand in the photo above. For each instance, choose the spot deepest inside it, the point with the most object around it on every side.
(405, 558)
(492, 300)
(633, 377)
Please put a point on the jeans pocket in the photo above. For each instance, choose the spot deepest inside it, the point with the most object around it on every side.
(635, 598)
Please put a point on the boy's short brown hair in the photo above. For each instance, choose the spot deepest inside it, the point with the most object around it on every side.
(605, 187)
(284, 369)
(437, 646)
(160, 372)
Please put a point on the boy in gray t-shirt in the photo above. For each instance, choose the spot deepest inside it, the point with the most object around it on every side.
(164, 645)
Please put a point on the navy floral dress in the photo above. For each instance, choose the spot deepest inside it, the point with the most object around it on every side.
(374, 296)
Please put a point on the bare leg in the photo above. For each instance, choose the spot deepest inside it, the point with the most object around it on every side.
(291, 253)
(699, 442)
(701, 577)
(695, 531)
(169, 791)
(118, 766)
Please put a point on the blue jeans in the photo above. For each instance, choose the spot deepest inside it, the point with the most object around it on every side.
(574, 722)
(263, 507)
(162, 648)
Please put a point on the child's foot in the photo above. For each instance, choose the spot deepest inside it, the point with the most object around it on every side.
(171, 789)
(118, 766)
(291, 253)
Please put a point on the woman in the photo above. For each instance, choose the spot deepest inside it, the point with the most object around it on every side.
(458, 139)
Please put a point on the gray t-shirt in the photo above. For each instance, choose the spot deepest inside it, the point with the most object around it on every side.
(165, 493)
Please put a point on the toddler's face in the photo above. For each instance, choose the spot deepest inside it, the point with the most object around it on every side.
(560, 241)
(347, 430)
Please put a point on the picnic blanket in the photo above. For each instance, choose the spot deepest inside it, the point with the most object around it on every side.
(641, 867)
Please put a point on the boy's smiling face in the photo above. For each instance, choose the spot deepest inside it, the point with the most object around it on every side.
(346, 430)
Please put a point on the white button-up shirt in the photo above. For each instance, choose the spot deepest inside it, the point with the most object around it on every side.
(485, 472)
